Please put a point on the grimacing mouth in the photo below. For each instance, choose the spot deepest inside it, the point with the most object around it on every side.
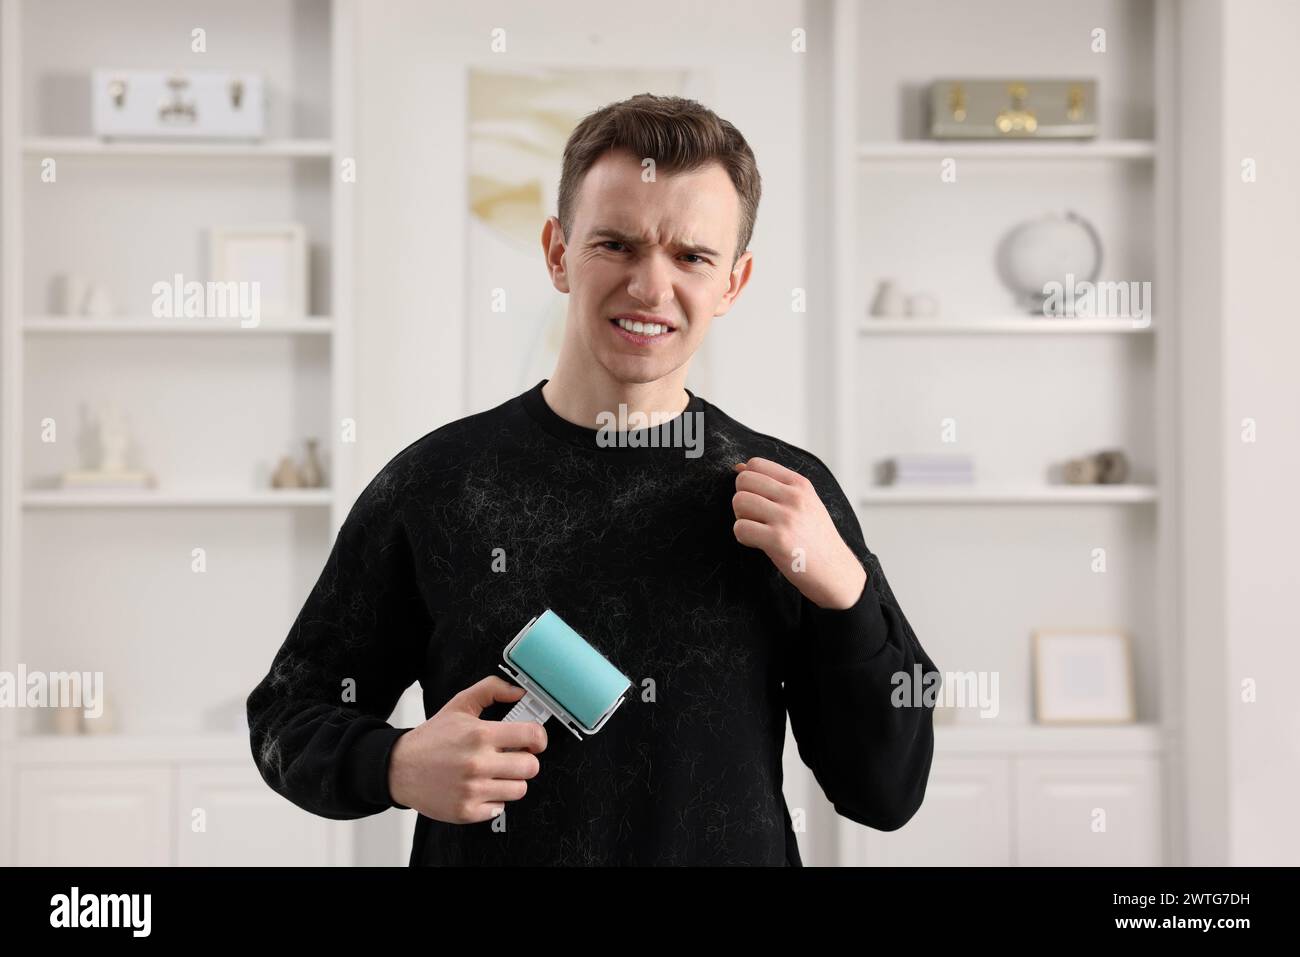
(646, 319)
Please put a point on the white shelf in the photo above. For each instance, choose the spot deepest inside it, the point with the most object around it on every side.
(1009, 495)
(986, 737)
(132, 212)
(155, 498)
(893, 209)
(266, 149)
(68, 750)
(1003, 325)
(1133, 150)
(80, 325)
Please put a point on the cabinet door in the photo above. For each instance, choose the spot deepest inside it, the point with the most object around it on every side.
(243, 822)
(95, 817)
(964, 820)
(1088, 811)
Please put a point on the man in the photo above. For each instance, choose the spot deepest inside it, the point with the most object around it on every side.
(721, 569)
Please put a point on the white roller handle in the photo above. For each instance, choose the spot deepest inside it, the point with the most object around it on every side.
(527, 708)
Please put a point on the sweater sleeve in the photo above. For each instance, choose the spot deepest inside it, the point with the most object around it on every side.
(849, 679)
(318, 720)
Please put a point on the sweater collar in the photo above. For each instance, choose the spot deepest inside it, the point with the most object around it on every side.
(678, 438)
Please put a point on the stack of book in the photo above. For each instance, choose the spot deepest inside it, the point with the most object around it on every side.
(943, 469)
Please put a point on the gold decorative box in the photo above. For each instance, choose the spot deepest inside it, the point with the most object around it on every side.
(1013, 108)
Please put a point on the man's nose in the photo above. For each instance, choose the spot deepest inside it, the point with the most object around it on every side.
(651, 281)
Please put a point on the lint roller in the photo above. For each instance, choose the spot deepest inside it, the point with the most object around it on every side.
(563, 675)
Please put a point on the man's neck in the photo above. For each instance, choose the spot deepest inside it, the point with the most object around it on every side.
(581, 399)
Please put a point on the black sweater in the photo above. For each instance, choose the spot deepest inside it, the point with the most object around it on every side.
(633, 547)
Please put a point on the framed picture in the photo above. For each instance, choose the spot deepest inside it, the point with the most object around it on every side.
(1083, 677)
(273, 256)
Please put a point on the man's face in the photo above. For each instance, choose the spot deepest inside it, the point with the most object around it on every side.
(655, 252)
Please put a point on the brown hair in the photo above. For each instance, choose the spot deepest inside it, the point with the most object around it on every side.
(680, 135)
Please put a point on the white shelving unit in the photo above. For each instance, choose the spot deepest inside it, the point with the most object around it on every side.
(265, 150)
(151, 498)
(125, 325)
(1016, 740)
(103, 580)
(1009, 495)
(1003, 151)
(1004, 325)
(976, 567)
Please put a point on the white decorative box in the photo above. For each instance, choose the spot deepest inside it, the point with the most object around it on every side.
(158, 104)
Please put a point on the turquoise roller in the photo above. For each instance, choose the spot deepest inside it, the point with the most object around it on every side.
(563, 675)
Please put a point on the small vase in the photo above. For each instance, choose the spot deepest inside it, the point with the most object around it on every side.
(106, 723)
(285, 476)
(311, 474)
(99, 300)
(68, 720)
(1112, 467)
(888, 301)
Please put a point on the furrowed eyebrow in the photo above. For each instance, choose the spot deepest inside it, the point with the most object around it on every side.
(607, 232)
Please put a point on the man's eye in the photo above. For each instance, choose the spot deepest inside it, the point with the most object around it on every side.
(614, 242)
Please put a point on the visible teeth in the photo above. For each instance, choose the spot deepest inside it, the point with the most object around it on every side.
(642, 328)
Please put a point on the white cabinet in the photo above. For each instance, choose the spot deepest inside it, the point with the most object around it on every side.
(203, 815)
(1088, 811)
(94, 817)
(964, 821)
(245, 823)
(1025, 809)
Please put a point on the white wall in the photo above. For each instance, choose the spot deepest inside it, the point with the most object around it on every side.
(1240, 246)
(411, 307)
(412, 70)
(1261, 239)
(1205, 737)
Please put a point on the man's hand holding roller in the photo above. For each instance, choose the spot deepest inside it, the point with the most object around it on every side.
(455, 766)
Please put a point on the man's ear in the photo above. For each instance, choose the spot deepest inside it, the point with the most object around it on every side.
(739, 277)
(553, 248)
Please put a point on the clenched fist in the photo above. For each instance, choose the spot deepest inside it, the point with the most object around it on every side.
(779, 511)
